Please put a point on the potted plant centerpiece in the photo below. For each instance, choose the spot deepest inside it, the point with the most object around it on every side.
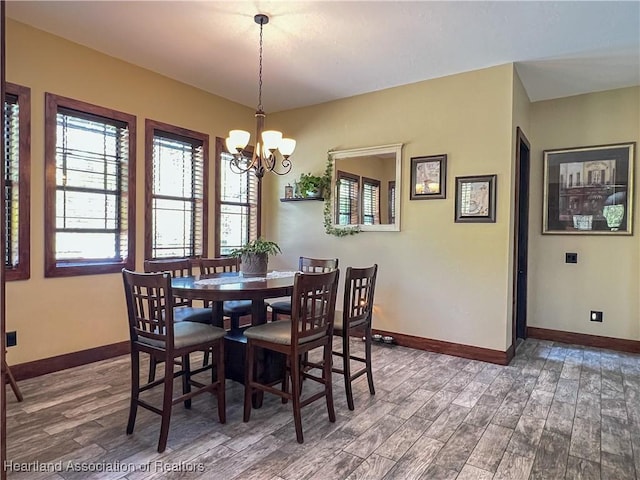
(254, 257)
(312, 186)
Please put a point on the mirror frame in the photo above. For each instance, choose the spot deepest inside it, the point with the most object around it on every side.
(394, 148)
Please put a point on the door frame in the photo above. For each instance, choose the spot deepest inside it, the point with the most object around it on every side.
(521, 139)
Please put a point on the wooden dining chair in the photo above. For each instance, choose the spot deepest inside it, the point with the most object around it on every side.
(307, 265)
(357, 309)
(234, 309)
(310, 327)
(150, 309)
(183, 307)
(12, 381)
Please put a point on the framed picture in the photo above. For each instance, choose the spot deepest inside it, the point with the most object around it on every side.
(476, 199)
(428, 177)
(588, 190)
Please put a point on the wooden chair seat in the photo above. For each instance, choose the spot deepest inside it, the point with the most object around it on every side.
(338, 327)
(236, 307)
(188, 334)
(278, 332)
(193, 314)
(280, 307)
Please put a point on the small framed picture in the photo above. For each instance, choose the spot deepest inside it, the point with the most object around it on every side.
(428, 177)
(476, 199)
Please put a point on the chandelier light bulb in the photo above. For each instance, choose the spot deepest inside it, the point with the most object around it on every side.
(271, 139)
(237, 140)
(287, 146)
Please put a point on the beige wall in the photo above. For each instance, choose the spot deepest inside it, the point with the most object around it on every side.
(607, 275)
(438, 279)
(54, 316)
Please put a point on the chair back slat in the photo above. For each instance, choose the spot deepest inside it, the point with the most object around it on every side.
(149, 305)
(313, 305)
(317, 265)
(359, 290)
(177, 267)
(209, 266)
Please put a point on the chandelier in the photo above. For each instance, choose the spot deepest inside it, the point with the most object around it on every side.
(268, 142)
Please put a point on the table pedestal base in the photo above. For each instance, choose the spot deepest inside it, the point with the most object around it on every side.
(270, 365)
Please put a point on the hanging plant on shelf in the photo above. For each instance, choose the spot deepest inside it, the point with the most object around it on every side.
(329, 227)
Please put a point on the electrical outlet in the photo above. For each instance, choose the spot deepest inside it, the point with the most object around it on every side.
(596, 316)
(12, 339)
(570, 258)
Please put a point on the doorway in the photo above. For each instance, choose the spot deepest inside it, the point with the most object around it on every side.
(521, 237)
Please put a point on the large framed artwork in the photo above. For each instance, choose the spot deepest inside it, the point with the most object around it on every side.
(589, 190)
(428, 177)
(476, 199)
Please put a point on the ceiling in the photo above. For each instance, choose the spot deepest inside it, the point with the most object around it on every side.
(317, 51)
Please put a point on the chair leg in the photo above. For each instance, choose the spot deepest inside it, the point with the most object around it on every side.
(152, 368)
(186, 378)
(328, 385)
(367, 356)
(135, 389)
(205, 359)
(285, 379)
(346, 367)
(274, 315)
(295, 392)
(222, 406)
(248, 379)
(167, 402)
(12, 382)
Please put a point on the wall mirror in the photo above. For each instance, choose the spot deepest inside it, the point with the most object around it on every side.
(366, 187)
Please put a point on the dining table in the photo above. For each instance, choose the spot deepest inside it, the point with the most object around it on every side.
(215, 289)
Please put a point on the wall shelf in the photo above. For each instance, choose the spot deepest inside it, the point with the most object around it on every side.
(300, 199)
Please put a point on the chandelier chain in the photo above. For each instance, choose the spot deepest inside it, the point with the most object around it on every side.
(260, 73)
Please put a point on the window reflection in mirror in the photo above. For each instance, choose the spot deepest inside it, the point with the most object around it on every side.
(364, 186)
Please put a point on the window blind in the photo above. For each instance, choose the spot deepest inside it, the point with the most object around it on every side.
(238, 202)
(370, 201)
(177, 196)
(348, 198)
(91, 202)
(12, 180)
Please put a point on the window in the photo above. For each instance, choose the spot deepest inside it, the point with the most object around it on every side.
(370, 201)
(347, 198)
(237, 204)
(17, 168)
(89, 188)
(177, 172)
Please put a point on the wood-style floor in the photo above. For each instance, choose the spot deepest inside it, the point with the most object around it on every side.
(558, 411)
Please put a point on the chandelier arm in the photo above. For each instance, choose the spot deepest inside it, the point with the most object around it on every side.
(235, 167)
(286, 165)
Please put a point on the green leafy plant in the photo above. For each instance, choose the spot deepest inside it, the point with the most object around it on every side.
(312, 183)
(329, 228)
(258, 246)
